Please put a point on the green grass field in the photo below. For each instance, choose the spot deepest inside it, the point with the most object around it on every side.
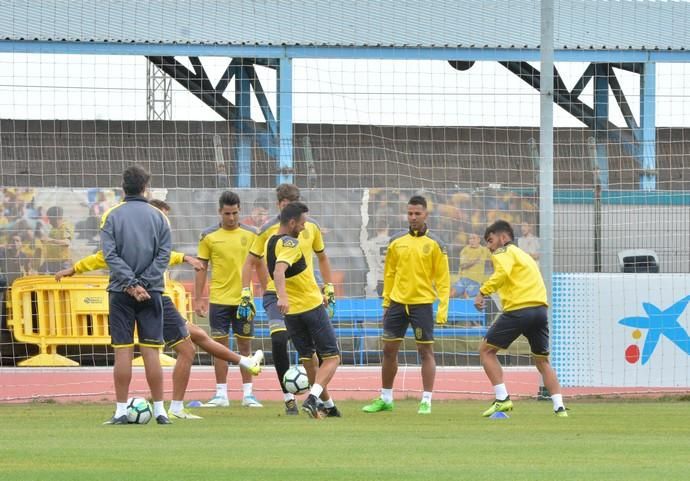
(609, 440)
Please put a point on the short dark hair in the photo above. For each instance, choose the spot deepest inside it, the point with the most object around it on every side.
(135, 179)
(228, 198)
(498, 227)
(160, 204)
(287, 192)
(292, 211)
(417, 200)
(55, 211)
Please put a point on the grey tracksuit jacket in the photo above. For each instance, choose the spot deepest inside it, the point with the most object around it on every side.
(136, 243)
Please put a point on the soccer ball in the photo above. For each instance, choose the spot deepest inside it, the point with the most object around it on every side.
(295, 380)
(138, 411)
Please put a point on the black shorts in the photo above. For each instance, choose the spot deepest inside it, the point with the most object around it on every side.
(221, 318)
(312, 332)
(399, 316)
(531, 322)
(125, 311)
(174, 325)
(276, 321)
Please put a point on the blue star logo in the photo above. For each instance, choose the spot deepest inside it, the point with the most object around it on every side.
(661, 323)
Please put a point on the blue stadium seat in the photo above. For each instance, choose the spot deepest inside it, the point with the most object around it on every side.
(352, 314)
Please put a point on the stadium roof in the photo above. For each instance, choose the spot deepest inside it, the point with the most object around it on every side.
(510, 24)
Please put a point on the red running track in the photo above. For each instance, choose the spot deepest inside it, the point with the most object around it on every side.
(359, 383)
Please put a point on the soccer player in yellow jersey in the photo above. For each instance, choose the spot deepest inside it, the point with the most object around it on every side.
(311, 242)
(225, 246)
(301, 302)
(177, 332)
(415, 274)
(519, 284)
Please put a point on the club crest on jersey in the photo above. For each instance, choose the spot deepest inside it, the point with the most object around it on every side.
(305, 234)
(426, 249)
(289, 242)
(244, 241)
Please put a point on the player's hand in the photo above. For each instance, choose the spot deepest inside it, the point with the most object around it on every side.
(283, 305)
(479, 301)
(441, 319)
(195, 263)
(141, 294)
(138, 293)
(200, 308)
(64, 273)
(246, 310)
(329, 299)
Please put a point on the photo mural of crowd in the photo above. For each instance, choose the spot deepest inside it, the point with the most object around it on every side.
(459, 218)
(40, 229)
(44, 230)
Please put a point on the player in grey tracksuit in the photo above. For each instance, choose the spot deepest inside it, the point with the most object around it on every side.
(136, 244)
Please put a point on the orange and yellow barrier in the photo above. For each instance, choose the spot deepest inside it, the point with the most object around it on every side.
(73, 311)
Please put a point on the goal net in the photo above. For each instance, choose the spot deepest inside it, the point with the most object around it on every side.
(367, 135)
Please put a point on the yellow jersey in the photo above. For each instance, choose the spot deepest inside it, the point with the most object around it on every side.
(226, 250)
(477, 272)
(302, 290)
(310, 241)
(516, 279)
(416, 271)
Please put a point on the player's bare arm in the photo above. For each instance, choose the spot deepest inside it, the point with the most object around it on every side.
(200, 304)
(196, 263)
(279, 278)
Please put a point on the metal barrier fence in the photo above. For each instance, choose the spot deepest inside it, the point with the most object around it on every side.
(73, 311)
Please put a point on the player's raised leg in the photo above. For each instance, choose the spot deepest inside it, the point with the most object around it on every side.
(251, 364)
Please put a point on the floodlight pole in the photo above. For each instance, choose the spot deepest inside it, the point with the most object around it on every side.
(546, 144)
(546, 153)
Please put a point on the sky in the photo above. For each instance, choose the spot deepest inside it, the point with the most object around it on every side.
(377, 92)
